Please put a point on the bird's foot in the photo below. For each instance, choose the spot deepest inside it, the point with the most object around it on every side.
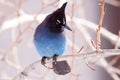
(44, 59)
(43, 62)
(55, 58)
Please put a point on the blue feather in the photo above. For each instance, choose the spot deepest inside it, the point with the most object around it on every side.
(48, 43)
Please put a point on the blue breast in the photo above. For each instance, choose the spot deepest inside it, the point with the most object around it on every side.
(48, 44)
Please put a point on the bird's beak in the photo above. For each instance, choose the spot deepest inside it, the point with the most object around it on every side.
(62, 9)
(67, 27)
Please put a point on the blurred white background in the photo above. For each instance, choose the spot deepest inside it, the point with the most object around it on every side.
(19, 18)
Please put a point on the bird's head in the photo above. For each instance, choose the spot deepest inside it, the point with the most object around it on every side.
(57, 20)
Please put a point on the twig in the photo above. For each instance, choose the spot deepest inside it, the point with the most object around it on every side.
(98, 40)
(89, 65)
(93, 43)
(80, 49)
(73, 41)
(117, 42)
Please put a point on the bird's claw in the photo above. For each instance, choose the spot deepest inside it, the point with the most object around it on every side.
(43, 63)
(44, 58)
(55, 58)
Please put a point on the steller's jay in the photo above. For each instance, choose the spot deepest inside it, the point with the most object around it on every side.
(50, 41)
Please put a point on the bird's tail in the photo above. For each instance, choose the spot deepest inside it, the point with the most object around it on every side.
(61, 67)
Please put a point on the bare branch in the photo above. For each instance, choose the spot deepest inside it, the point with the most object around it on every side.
(113, 2)
(37, 64)
(98, 40)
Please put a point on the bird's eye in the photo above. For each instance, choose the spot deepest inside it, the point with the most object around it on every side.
(58, 21)
(63, 20)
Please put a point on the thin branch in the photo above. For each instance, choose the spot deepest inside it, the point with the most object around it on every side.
(98, 40)
(89, 65)
(109, 69)
(73, 41)
(117, 42)
(80, 49)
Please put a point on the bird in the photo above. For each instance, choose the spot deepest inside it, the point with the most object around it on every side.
(50, 40)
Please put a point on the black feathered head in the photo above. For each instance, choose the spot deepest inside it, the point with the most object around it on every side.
(57, 20)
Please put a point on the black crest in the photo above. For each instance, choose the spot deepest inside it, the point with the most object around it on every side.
(57, 20)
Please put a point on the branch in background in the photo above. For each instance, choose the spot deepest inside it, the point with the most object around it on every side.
(103, 61)
(11, 62)
(5, 54)
(117, 42)
(107, 34)
(37, 64)
(116, 58)
(115, 3)
(98, 39)
(90, 25)
(73, 41)
(7, 3)
(110, 70)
